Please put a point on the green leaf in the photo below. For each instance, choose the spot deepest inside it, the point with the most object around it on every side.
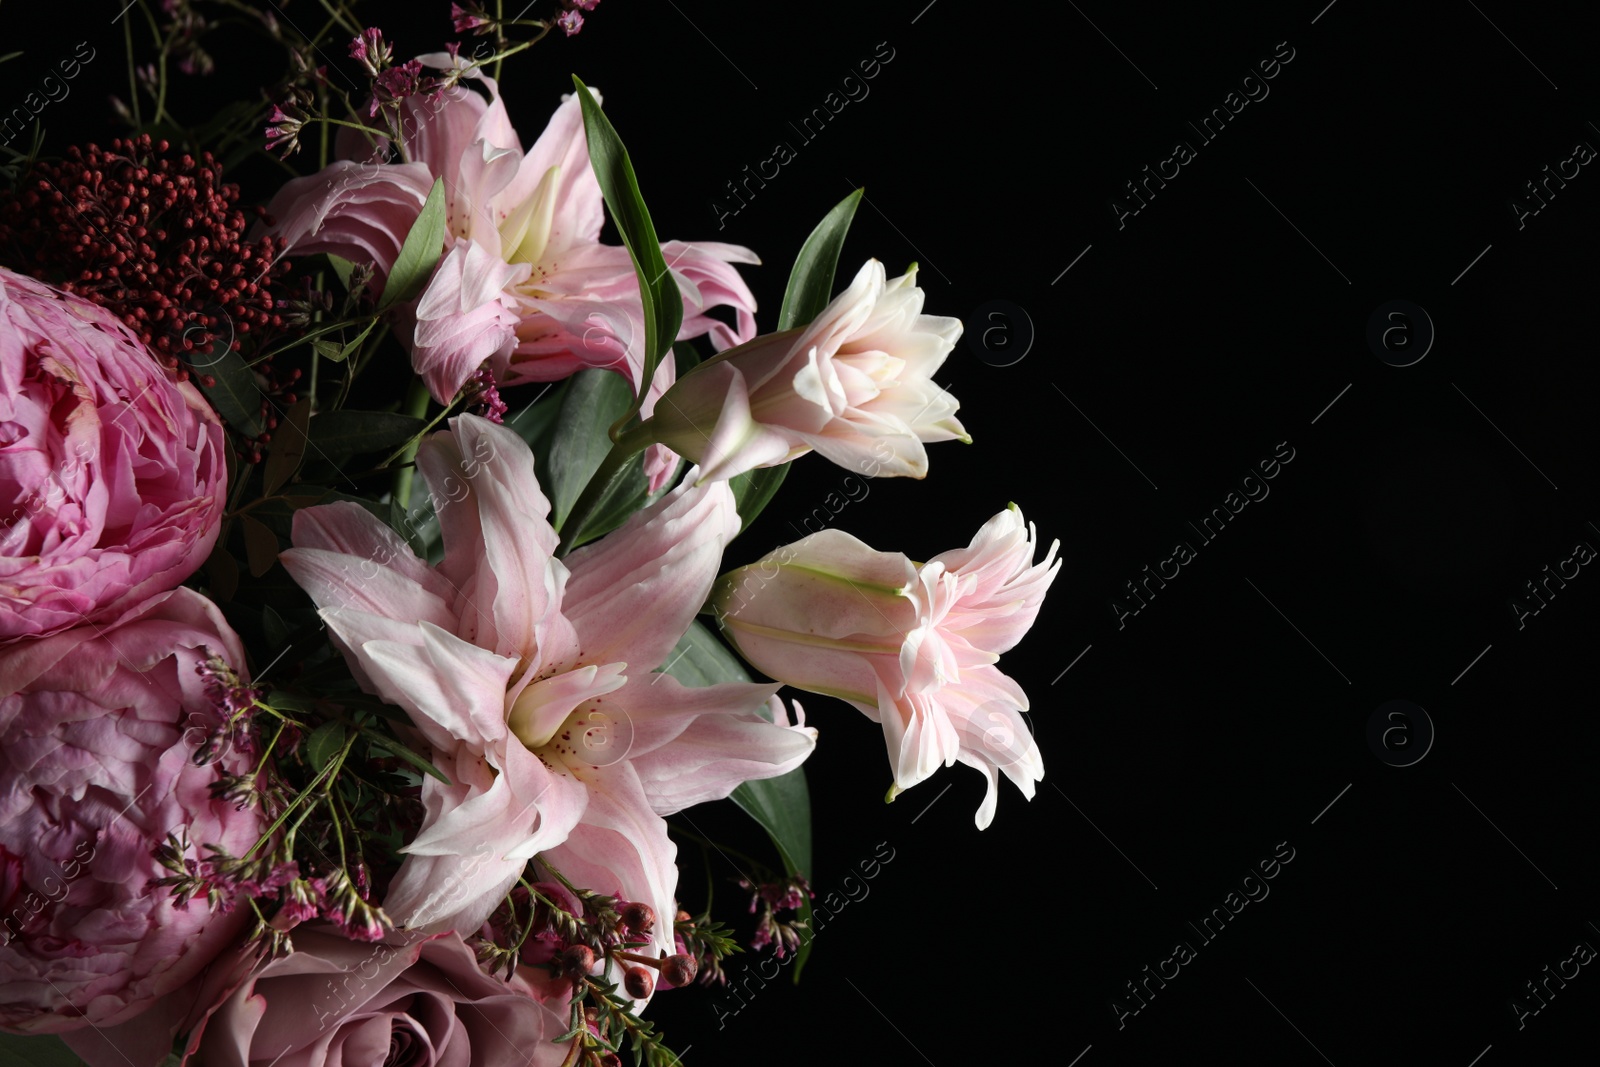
(341, 267)
(348, 350)
(36, 1052)
(394, 748)
(260, 545)
(289, 443)
(324, 741)
(811, 280)
(234, 394)
(222, 573)
(626, 494)
(274, 628)
(580, 438)
(287, 701)
(420, 253)
(809, 291)
(782, 805)
(663, 306)
(753, 491)
(341, 434)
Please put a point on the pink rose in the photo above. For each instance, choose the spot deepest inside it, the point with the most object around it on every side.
(413, 1000)
(112, 477)
(98, 727)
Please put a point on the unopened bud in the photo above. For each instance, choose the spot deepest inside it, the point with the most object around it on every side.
(638, 983)
(679, 970)
(577, 961)
(640, 919)
(683, 916)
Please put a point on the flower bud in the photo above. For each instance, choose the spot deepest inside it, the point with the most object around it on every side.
(640, 919)
(638, 982)
(679, 970)
(576, 961)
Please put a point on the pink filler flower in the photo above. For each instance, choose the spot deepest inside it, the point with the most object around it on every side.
(530, 679)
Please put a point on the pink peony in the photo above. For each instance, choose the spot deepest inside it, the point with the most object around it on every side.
(524, 286)
(112, 477)
(856, 385)
(913, 647)
(412, 999)
(98, 727)
(530, 679)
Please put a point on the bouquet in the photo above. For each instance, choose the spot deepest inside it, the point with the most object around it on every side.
(368, 613)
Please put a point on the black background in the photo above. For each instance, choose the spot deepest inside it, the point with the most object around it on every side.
(1189, 740)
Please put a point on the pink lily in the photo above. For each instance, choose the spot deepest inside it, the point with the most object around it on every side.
(524, 284)
(529, 679)
(913, 647)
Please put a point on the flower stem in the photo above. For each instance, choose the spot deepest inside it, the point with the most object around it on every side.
(626, 447)
(416, 405)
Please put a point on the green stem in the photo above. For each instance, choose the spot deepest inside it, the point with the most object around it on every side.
(416, 405)
(626, 447)
(133, 82)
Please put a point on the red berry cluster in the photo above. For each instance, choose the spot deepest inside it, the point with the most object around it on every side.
(152, 236)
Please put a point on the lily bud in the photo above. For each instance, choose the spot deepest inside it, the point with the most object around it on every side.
(856, 385)
(913, 647)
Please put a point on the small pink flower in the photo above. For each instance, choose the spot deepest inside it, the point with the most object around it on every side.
(856, 385)
(467, 18)
(570, 21)
(912, 647)
(112, 477)
(409, 999)
(98, 730)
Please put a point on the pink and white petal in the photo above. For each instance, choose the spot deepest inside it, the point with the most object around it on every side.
(438, 130)
(486, 169)
(463, 318)
(716, 754)
(580, 208)
(707, 279)
(360, 211)
(660, 467)
(738, 442)
(919, 735)
(498, 542)
(621, 847)
(634, 593)
(657, 708)
(845, 444)
(453, 892)
(443, 681)
(346, 528)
